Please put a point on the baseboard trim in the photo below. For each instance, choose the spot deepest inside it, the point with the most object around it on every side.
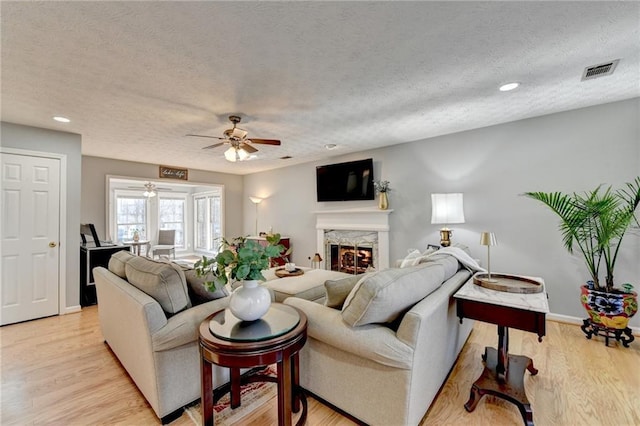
(578, 321)
(72, 310)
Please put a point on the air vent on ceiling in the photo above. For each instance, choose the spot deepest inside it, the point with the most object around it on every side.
(599, 70)
(286, 157)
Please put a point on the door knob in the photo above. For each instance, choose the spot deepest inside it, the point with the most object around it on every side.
(52, 244)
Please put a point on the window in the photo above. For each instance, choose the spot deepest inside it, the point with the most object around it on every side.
(194, 211)
(131, 215)
(208, 219)
(171, 216)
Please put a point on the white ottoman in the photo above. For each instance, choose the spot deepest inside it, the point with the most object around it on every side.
(309, 286)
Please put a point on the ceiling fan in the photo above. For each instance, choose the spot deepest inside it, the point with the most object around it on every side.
(236, 137)
(150, 189)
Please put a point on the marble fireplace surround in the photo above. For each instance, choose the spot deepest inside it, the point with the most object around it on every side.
(353, 221)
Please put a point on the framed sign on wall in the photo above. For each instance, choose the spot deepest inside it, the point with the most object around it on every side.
(174, 173)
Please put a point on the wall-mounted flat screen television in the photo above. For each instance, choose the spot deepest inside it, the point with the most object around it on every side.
(345, 181)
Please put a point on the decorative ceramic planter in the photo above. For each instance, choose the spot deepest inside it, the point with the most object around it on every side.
(250, 301)
(611, 310)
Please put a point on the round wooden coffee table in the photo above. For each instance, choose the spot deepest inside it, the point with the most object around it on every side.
(275, 338)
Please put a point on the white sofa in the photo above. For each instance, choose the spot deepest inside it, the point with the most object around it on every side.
(159, 349)
(385, 368)
(148, 321)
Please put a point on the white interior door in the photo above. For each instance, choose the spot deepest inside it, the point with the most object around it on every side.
(30, 237)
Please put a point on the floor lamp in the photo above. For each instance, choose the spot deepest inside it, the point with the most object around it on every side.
(256, 201)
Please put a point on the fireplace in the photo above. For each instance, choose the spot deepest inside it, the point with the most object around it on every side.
(350, 259)
(353, 240)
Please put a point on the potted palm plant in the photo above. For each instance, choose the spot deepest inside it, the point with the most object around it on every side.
(242, 260)
(595, 223)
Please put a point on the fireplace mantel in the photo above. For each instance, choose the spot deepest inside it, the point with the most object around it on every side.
(359, 219)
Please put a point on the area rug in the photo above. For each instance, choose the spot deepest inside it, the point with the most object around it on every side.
(252, 396)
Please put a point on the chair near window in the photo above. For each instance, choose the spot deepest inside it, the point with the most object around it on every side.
(166, 243)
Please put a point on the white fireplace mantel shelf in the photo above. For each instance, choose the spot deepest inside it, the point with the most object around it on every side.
(353, 219)
(356, 210)
(358, 219)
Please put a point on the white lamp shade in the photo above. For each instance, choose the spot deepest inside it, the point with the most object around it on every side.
(488, 239)
(447, 208)
(255, 200)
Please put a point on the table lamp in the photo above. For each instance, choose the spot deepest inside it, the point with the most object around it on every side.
(488, 239)
(446, 209)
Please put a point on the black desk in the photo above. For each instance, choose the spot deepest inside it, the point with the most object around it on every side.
(90, 257)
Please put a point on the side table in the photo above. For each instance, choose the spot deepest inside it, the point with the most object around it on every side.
(503, 374)
(137, 244)
(277, 337)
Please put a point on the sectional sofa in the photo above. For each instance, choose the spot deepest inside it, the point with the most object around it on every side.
(382, 354)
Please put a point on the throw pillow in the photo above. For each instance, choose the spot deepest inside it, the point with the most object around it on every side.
(411, 259)
(338, 290)
(384, 296)
(199, 294)
(117, 262)
(162, 281)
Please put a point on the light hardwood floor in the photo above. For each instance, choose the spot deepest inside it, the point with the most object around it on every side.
(58, 371)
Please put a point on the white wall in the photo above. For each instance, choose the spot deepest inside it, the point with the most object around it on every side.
(569, 151)
(95, 170)
(68, 144)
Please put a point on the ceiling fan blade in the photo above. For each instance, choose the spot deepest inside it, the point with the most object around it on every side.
(265, 141)
(215, 145)
(247, 148)
(205, 136)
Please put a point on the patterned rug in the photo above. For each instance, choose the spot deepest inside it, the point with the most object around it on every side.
(252, 396)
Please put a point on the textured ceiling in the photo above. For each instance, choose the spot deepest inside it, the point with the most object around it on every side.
(136, 77)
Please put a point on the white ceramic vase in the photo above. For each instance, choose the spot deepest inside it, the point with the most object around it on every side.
(250, 301)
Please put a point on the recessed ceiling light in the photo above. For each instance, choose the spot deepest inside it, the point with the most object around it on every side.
(61, 119)
(509, 86)
(331, 146)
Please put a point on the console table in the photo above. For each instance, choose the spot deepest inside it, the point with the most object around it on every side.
(503, 374)
(277, 337)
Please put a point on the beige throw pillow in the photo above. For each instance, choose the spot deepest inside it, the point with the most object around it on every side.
(338, 290)
(117, 261)
(162, 281)
(385, 295)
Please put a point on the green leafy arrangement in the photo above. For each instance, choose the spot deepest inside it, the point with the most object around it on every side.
(595, 222)
(238, 259)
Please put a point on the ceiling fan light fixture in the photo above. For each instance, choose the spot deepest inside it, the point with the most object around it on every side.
(150, 190)
(234, 154)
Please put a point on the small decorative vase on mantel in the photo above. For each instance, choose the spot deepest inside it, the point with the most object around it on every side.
(250, 301)
(383, 201)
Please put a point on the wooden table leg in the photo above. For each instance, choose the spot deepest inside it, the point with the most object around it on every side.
(206, 391)
(502, 367)
(284, 392)
(295, 379)
(235, 387)
(511, 389)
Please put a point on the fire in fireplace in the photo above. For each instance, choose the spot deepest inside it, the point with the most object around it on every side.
(351, 259)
